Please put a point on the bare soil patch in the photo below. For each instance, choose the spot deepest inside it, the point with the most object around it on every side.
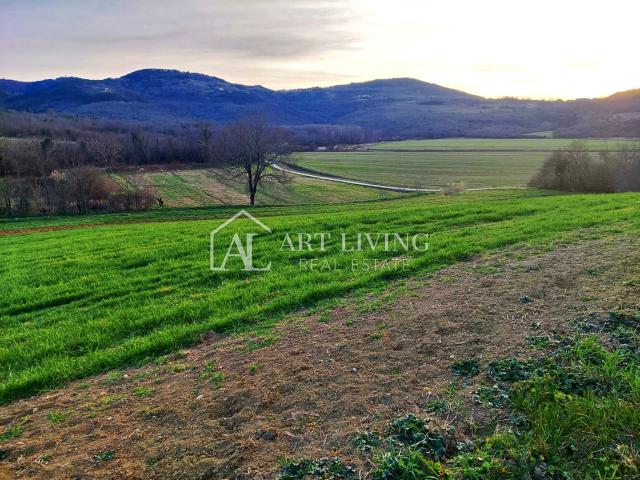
(55, 228)
(231, 406)
(24, 231)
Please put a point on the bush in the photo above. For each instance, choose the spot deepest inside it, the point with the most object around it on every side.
(575, 169)
(407, 464)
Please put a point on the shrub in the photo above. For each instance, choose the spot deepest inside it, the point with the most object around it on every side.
(407, 464)
(575, 169)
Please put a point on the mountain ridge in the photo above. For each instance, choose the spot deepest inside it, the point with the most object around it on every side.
(151, 70)
(394, 107)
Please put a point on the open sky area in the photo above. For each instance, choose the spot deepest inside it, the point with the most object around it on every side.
(541, 49)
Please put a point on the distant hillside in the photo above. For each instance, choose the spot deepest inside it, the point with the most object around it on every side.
(392, 108)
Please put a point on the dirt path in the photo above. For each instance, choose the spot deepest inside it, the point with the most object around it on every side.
(354, 182)
(228, 408)
(361, 183)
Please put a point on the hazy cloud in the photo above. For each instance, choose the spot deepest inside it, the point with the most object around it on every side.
(543, 49)
(64, 36)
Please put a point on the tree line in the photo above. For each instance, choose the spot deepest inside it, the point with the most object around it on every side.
(578, 169)
(54, 165)
(48, 177)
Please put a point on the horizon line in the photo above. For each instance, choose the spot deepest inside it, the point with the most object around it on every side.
(503, 97)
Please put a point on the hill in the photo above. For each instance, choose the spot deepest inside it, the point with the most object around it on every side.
(392, 108)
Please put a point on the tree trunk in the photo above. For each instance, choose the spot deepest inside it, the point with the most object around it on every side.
(48, 197)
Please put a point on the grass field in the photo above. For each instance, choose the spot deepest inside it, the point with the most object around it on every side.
(76, 302)
(9, 225)
(492, 144)
(203, 187)
(428, 169)
(475, 162)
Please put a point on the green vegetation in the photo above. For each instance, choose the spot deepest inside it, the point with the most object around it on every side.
(475, 162)
(142, 391)
(466, 368)
(326, 468)
(12, 432)
(174, 187)
(475, 169)
(104, 456)
(172, 214)
(202, 187)
(253, 368)
(77, 302)
(211, 373)
(56, 417)
(572, 413)
(493, 144)
(304, 190)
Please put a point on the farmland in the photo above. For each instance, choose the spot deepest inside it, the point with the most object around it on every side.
(477, 163)
(204, 187)
(492, 144)
(119, 339)
(296, 262)
(78, 302)
(428, 169)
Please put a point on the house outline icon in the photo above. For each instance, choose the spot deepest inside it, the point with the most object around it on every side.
(241, 213)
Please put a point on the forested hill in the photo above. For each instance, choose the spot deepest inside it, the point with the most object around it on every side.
(390, 108)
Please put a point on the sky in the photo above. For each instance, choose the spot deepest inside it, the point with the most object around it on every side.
(535, 49)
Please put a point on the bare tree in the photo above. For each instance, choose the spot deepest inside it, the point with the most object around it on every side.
(45, 168)
(6, 183)
(105, 150)
(250, 148)
(575, 169)
(206, 135)
(140, 148)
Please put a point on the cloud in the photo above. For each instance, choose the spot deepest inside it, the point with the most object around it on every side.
(47, 33)
(491, 48)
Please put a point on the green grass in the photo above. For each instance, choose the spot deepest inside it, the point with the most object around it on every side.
(204, 187)
(303, 190)
(175, 214)
(12, 432)
(437, 163)
(56, 417)
(576, 415)
(173, 186)
(77, 302)
(428, 169)
(588, 428)
(494, 144)
(572, 412)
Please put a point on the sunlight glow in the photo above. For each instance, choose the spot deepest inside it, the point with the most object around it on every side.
(542, 49)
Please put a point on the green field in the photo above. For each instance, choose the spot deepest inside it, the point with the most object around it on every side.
(477, 163)
(428, 169)
(508, 144)
(77, 302)
(203, 187)
(158, 215)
